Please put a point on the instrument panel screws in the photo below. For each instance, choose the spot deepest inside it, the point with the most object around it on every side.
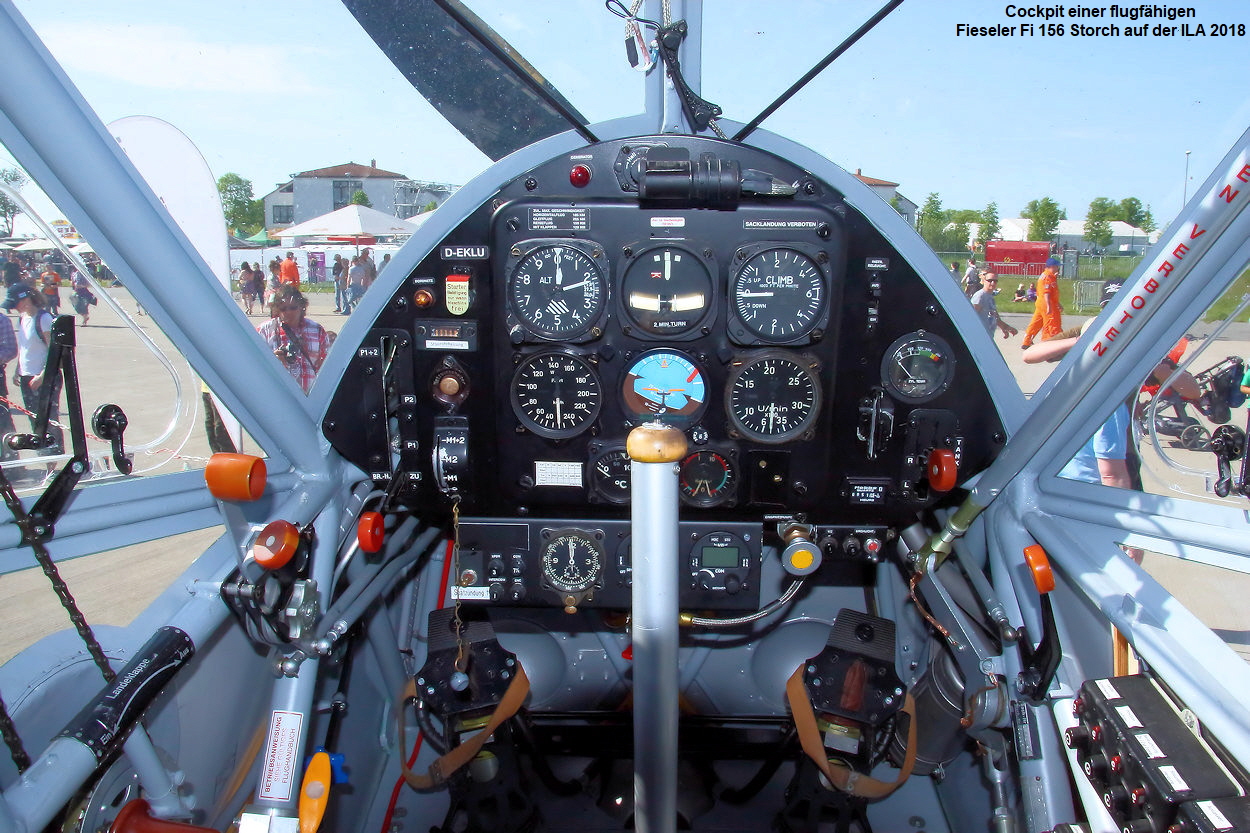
(809, 187)
(627, 252)
(823, 231)
(513, 224)
(530, 183)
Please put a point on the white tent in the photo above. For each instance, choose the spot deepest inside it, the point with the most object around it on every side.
(349, 221)
(36, 245)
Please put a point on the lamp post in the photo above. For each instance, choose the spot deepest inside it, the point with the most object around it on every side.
(1185, 189)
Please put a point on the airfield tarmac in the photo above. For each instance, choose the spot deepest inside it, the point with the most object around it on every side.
(114, 587)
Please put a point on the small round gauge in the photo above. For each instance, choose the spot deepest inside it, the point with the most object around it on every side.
(664, 385)
(779, 295)
(917, 367)
(557, 292)
(572, 560)
(772, 397)
(610, 475)
(706, 478)
(556, 394)
(666, 291)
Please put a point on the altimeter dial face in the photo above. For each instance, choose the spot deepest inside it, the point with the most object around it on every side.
(773, 397)
(779, 295)
(556, 394)
(572, 560)
(556, 292)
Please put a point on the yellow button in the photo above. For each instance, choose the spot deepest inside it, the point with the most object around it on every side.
(801, 559)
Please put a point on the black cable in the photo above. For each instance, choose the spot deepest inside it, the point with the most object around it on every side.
(816, 70)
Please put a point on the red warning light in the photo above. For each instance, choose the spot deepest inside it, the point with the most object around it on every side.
(579, 176)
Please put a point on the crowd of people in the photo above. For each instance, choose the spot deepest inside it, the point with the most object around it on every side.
(981, 285)
(352, 277)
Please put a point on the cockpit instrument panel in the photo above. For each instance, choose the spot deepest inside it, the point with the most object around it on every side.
(810, 368)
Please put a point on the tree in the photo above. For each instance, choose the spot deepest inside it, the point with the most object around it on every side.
(15, 179)
(361, 198)
(1098, 221)
(990, 227)
(429, 206)
(963, 215)
(1131, 211)
(931, 220)
(1045, 215)
(243, 214)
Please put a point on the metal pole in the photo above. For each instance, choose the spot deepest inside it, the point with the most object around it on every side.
(1185, 184)
(655, 449)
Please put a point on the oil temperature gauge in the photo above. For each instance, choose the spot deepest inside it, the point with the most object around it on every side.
(918, 367)
(610, 476)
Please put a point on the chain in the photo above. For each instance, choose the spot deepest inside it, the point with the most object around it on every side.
(461, 661)
(27, 525)
(11, 739)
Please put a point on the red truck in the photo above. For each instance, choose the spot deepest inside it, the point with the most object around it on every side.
(1017, 257)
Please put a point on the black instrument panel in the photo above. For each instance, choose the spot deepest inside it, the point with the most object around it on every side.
(810, 368)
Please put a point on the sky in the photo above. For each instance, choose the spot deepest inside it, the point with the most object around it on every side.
(268, 88)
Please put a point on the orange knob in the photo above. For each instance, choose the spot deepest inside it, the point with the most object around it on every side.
(1039, 567)
(235, 476)
(314, 793)
(276, 545)
(371, 531)
(943, 473)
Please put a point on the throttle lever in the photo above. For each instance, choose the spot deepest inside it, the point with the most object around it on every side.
(1228, 444)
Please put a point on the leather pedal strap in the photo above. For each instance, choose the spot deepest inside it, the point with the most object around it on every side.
(443, 768)
(841, 776)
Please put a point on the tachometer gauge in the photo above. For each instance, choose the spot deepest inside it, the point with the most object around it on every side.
(556, 292)
(707, 478)
(610, 475)
(666, 291)
(917, 367)
(572, 560)
(664, 385)
(556, 394)
(779, 296)
(773, 397)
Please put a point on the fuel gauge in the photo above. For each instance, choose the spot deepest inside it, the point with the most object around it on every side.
(918, 367)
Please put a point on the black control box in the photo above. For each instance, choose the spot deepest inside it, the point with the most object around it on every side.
(1140, 756)
(544, 562)
(1217, 815)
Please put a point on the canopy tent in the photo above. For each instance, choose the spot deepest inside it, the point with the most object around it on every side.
(82, 248)
(36, 245)
(262, 238)
(350, 221)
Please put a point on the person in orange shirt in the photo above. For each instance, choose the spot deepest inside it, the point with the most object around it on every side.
(1047, 311)
(289, 270)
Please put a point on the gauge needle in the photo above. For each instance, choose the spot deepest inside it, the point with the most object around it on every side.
(573, 285)
(755, 294)
(668, 262)
(559, 415)
(559, 274)
(899, 362)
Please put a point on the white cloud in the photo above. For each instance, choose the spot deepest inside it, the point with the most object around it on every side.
(171, 57)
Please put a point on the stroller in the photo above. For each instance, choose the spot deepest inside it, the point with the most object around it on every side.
(1220, 385)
